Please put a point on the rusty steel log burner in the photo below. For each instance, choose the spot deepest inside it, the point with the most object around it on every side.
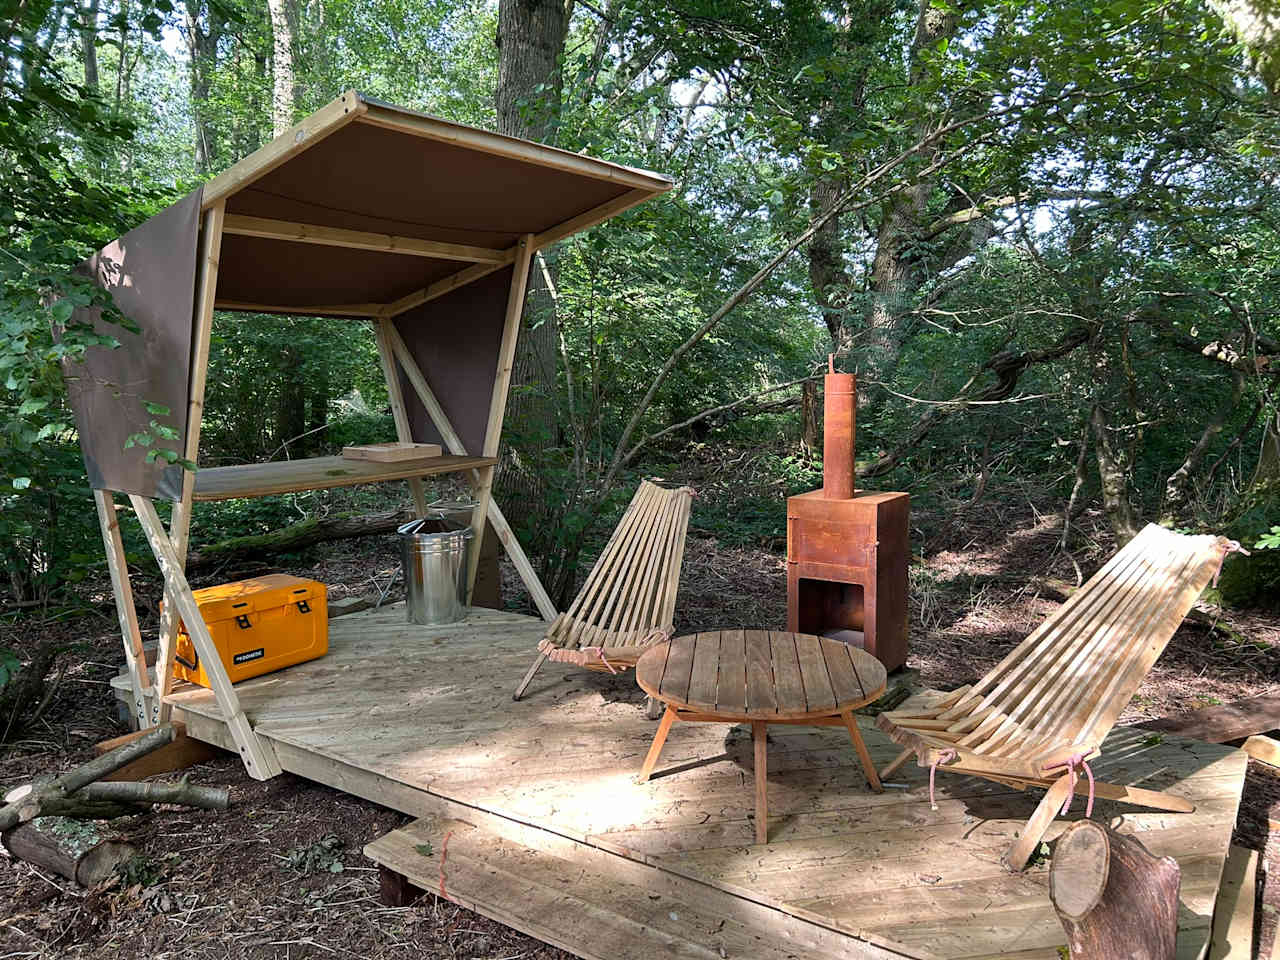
(847, 548)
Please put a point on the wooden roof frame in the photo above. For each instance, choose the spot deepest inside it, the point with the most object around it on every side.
(151, 704)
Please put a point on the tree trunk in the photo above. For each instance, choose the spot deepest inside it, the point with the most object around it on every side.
(1268, 468)
(530, 41)
(1115, 900)
(1177, 489)
(84, 851)
(1114, 474)
(202, 50)
(89, 44)
(830, 281)
(291, 409)
(810, 420)
(283, 99)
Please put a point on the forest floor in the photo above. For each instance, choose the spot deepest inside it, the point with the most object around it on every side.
(282, 874)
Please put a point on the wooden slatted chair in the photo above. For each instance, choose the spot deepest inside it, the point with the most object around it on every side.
(1042, 713)
(628, 602)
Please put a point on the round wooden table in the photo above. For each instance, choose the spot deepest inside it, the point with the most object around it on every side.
(760, 677)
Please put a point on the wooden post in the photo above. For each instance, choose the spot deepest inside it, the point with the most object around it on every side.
(404, 433)
(258, 756)
(1113, 897)
(450, 436)
(498, 401)
(134, 657)
(180, 523)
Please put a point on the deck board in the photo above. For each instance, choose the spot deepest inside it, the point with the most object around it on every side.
(415, 716)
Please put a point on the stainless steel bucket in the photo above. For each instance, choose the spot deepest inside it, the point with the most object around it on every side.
(433, 554)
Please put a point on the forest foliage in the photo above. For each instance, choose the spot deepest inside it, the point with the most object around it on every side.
(1044, 234)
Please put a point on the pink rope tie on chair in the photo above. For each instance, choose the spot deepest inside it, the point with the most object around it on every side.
(1076, 759)
(1228, 547)
(946, 756)
(599, 652)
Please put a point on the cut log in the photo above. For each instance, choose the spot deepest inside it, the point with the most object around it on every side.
(83, 851)
(1223, 722)
(1115, 900)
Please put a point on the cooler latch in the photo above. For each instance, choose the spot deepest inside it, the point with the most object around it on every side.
(242, 621)
(303, 606)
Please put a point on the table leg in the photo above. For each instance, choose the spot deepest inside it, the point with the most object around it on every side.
(759, 734)
(864, 755)
(659, 738)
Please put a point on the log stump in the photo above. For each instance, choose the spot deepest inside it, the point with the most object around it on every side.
(1115, 900)
(83, 851)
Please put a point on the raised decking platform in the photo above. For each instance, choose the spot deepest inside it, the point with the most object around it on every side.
(549, 833)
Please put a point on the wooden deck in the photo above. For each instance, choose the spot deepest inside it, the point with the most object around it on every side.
(549, 832)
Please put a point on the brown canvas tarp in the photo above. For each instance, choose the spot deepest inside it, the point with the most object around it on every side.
(455, 341)
(150, 273)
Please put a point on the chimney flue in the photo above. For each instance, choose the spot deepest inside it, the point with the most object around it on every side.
(838, 433)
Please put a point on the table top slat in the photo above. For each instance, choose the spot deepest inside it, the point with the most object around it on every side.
(731, 681)
(845, 683)
(706, 668)
(760, 695)
(788, 687)
(818, 694)
(679, 670)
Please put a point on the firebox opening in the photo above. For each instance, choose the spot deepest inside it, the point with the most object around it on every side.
(826, 605)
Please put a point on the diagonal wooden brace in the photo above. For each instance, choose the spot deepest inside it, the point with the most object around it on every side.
(258, 755)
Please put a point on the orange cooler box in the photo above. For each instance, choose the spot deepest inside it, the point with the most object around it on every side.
(258, 625)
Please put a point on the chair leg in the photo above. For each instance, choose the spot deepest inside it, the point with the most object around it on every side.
(1022, 848)
(659, 738)
(528, 677)
(864, 755)
(895, 763)
(760, 736)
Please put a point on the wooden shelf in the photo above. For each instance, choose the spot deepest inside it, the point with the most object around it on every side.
(319, 473)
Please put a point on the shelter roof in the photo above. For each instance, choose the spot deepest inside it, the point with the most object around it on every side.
(362, 207)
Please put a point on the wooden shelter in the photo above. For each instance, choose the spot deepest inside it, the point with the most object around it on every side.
(418, 226)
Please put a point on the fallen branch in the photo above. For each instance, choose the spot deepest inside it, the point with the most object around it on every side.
(297, 536)
(27, 807)
(183, 793)
(85, 852)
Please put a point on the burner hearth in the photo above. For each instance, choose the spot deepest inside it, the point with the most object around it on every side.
(847, 548)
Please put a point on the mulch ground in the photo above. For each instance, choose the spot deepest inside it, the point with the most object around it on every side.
(282, 875)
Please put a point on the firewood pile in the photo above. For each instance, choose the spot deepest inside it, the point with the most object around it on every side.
(64, 823)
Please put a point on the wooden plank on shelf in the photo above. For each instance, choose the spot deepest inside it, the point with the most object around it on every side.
(265, 228)
(1221, 723)
(318, 473)
(392, 452)
(1233, 913)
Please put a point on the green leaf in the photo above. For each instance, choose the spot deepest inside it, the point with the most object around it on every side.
(62, 310)
(21, 483)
